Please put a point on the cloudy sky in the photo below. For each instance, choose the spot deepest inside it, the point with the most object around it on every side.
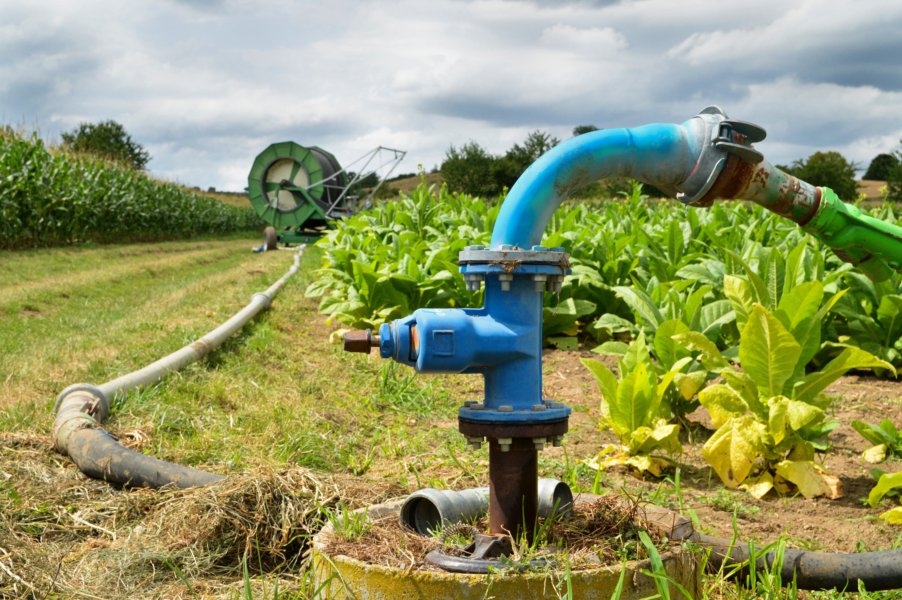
(205, 85)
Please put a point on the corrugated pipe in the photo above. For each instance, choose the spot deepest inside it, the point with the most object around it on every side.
(82, 408)
(428, 509)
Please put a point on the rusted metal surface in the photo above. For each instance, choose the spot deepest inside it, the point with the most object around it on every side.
(513, 488)
(733, 181)
(360, 341)
(764, 184)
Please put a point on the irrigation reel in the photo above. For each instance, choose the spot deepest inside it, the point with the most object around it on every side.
(299, 190)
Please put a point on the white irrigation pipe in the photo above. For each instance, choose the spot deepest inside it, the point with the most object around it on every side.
(82, 408)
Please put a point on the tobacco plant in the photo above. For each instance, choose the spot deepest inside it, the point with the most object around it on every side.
(886, 438)
(633, 407)
(889, 483)
(770, 415)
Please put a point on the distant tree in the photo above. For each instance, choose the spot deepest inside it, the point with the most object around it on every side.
(828, 169)
(107, 139)
(880, 167)
(509, 167)
(470, 169)
(894, 178)
(581, 129)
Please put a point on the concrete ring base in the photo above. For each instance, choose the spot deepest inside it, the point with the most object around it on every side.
(344, 577)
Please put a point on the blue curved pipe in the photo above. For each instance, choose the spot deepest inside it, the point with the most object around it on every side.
(661, 154)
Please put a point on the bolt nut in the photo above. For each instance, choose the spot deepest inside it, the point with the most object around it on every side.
(539, 249)
(539, 443)
(470, 403)
(360, 341)
(505, 279)
(474, 442)
(557, 441)
(540, 282)
(474, 247)
(538, 407)
(505, 408)
(506, 247)
(504, 444)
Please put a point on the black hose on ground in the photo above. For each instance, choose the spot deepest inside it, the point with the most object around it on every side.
(81, 409)
(810, 570)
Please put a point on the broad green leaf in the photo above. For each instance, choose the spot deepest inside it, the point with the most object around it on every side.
(801, 303)
(774, 272)
(739, 292)
(767, 351)
(564, 343)
(850, 358)
(607, 384)
(733, 448)
(805, 476)
(886, 483)
(873, 433)
(889, 313)
(667, 350)
(611, 349)
(636, 399)
(714, 316)
(641, 304)
(722, 403)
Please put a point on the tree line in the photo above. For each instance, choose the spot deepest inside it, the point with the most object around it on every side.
(473, 170)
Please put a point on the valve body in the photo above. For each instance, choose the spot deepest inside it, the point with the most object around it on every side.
(503, 341)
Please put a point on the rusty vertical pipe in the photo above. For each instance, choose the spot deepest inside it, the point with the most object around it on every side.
(513, 487)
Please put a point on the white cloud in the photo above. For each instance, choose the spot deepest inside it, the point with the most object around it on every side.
(206, 84)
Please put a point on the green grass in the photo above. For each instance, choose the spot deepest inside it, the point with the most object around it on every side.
(277, 395)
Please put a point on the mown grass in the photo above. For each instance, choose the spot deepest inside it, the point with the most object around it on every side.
(277, 397)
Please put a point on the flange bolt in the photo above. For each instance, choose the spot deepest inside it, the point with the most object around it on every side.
(361, 341)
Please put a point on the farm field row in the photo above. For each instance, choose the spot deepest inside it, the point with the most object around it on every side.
(280, 398)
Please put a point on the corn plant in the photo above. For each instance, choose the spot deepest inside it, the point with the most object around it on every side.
(51, 198)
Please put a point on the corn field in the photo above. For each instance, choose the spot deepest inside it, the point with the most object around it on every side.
(49, 198)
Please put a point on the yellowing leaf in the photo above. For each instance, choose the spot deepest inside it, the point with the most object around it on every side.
(711, 357)
(805, 476)
(759, 486)
(834, 484)
(733, 448)
(651, 464)
(690, 383)
(776, 420)
(875, 454)
(893, 516)
(800, 414)
(722, 402)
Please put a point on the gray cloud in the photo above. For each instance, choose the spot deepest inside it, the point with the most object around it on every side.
(206, 84)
